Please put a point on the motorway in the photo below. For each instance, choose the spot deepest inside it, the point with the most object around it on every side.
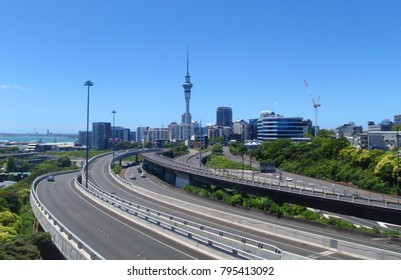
(115, 237)
(112, 236)
(296, 247)
(308, 182)
(317, 184)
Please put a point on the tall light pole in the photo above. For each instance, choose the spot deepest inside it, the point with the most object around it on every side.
(398, 191)
(87, 84)
(113, 134)
(200, 144)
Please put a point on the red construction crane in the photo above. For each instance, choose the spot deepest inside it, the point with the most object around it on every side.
(315, 105)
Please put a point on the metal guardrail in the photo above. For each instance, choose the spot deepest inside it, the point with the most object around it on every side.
(156, 218)
(79, 250)
(322, 241)
(277, 185)
(214, 237)
(159, 219)
(212, 234)
(70, 245)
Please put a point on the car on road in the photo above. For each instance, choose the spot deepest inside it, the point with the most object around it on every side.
(132, 176)
(143, 175)
(50, 178)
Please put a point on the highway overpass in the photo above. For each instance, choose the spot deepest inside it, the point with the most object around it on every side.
(113, 219)
(354, 203)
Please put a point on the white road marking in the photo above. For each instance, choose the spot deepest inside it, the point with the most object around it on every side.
(317, 255)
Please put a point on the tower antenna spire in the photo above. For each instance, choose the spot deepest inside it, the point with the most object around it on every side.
(187, 85)
(187, 60)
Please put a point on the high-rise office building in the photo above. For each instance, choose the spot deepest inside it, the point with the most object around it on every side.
(187, 85)
(140, 133)
(272, 127)
(253, 129)
(101, 133)
(120, 133)
(83, 137)
(224, 116)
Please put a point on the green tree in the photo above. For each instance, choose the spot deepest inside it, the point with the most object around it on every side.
(10, 225)
(216, 140)
(237, 148)
(324, 133)
(43, 241)
(332, 148)
(24, 196)
(9, 219)
(148, 145)
(385, 168)
(219, 194)
(10, 163)
(396, 127)
(7, 233)
(10, 200)
(179, 149)
(20, 248)
(217, 149)
(166, 144)
(236, 199)
(63, 162)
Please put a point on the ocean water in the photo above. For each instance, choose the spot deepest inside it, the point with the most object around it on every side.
(37, 138)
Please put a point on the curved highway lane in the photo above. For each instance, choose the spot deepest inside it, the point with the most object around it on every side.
(299, 225)
(111, 235)
(101, 177)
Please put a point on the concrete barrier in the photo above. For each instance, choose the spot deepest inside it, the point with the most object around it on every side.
(338, 245)
(68, 244)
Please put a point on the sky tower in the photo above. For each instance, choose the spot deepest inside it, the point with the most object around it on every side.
(186, 117)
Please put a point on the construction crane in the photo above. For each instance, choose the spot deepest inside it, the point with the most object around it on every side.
(315, 105)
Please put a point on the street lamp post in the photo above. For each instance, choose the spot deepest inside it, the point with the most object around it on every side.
(243, 164)
(398, 161)
(87, 84)
(200, 144)
(113, 134)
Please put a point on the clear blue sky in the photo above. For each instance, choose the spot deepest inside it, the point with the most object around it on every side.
(249, 55)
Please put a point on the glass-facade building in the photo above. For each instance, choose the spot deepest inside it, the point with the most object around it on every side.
(273, 127)
(101, 133)
(224, 116)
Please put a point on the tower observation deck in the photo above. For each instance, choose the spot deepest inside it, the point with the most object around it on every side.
(187, 85)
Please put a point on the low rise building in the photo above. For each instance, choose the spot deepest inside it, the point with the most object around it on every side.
(349, 130)
(383, 140)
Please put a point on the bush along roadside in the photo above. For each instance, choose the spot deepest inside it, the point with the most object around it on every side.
(267, 205)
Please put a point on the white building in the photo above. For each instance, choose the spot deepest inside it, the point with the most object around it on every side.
(140, 134)
(154, 135)
(273, 127)
(241, 127)
(181, 132)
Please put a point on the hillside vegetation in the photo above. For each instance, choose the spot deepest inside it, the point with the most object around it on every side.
(334, 160)
(17, 241)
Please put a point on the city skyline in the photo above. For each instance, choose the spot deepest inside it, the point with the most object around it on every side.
(250, 57)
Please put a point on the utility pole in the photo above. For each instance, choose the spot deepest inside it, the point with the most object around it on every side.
(113, 134)
(200, 144)
(398, 162)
